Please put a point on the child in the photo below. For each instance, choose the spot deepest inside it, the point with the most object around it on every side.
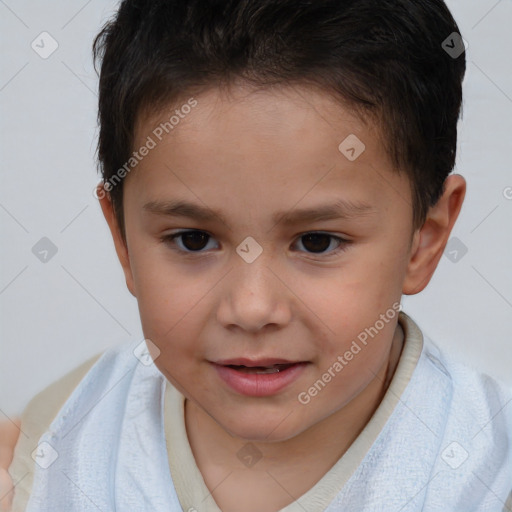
(274, 375)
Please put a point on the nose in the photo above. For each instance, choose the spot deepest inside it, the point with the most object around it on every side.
(254, 298)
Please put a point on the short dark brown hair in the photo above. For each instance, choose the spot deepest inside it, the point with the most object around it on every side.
(382, 57)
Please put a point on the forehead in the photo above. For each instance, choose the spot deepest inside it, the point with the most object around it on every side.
(273, 114)
(264, 148)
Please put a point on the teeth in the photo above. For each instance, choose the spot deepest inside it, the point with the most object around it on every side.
(267, 370)
(260, 369)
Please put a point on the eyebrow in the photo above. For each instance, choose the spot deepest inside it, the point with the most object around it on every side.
(341, 209)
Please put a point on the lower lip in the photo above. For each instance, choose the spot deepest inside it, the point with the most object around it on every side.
(259, 384)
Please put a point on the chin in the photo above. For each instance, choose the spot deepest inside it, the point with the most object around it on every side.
(264, 429)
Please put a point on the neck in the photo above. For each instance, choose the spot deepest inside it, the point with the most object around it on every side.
(311, 453)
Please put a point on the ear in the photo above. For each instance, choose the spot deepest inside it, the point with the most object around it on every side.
(430, 241)
(120, 245)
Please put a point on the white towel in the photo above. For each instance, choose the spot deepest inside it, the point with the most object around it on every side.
(110, 441)
(446, 447)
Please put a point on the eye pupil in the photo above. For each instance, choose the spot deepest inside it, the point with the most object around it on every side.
(196, 241)
(191, 239)
(316, 239)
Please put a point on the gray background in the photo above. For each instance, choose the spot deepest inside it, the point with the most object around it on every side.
(55, 314)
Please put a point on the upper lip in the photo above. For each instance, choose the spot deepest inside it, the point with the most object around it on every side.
(243, 361)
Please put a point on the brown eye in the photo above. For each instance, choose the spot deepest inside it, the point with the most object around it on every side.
(319, 243)
(316, 242)
(195, 240)
(191, 241)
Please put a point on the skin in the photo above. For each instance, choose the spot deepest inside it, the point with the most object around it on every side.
(9, 433)
(250, 154)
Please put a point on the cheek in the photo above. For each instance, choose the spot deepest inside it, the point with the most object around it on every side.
(354, 362)
(353, 298)
(166, 296)
(356, 313)
(381, 271)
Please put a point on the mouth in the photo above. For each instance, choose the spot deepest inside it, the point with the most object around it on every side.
(258, 378)
(275, 368)
(261, 365)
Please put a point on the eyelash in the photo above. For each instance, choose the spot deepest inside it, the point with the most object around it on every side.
(170, 240)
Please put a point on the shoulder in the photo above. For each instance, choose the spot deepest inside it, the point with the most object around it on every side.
(478, 413)
(43, 408)
(470, 405)
(46, 405)
(80, 387)
(477, 394)
(35, 420)
(474, 446)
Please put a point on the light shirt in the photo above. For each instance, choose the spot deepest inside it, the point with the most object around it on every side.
(188, 481)
(191, 487)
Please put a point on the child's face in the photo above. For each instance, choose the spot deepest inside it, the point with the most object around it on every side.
(253, 157)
